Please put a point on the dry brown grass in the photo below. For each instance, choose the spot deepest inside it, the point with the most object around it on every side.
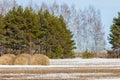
(39, 59)
(78, 54)
(7, 59)
(22, 59)
(114, 72)
(102, 55)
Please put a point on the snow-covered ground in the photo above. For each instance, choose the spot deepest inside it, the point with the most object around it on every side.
(108, 79)
(88, 69)
(56, 75)
(97, 62)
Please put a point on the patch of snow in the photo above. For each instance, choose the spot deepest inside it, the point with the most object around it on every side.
(107, 79)
(80, 61)
(54, 75)
(58, 66)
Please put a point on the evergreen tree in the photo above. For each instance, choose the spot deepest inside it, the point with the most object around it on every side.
(1, 29)
(56, 39)
(14, 23)
(115, 33)
(67, 42)
(43, 29)
(1, 34)
(31, 28)
(21, 28)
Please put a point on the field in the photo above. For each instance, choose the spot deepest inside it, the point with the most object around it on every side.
(65, 69)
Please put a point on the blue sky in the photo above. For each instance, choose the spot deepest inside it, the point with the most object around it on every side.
(108, 8)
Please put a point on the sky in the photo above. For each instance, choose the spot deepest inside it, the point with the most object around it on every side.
(108, 9)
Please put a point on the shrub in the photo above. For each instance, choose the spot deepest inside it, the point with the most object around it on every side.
(87, 54)
(78, 54)
(7, 59)
(22, 59)
(101, 55)
(69, 55)
(39, 59)
(113, 54)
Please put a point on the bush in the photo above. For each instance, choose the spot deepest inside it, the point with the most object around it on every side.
(87, 54)
(22, 59)
(39, 59)
(78, 54)
(7, 59)
(69, 55)
(113, 54)
(101, 55)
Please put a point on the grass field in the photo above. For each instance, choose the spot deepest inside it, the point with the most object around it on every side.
(65, 69)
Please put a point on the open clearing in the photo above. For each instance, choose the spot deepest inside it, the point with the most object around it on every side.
(65, 69)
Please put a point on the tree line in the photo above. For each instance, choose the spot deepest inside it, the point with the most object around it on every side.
(24, 30)
(85, 24)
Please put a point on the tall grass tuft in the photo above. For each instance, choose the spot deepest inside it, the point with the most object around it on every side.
(87, 54)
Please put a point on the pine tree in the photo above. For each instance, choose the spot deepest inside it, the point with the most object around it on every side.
(2, 37)
(14, 23)
(67, 42)
(56, 38)
(115, 33)
(32, 28)
(1, 29)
